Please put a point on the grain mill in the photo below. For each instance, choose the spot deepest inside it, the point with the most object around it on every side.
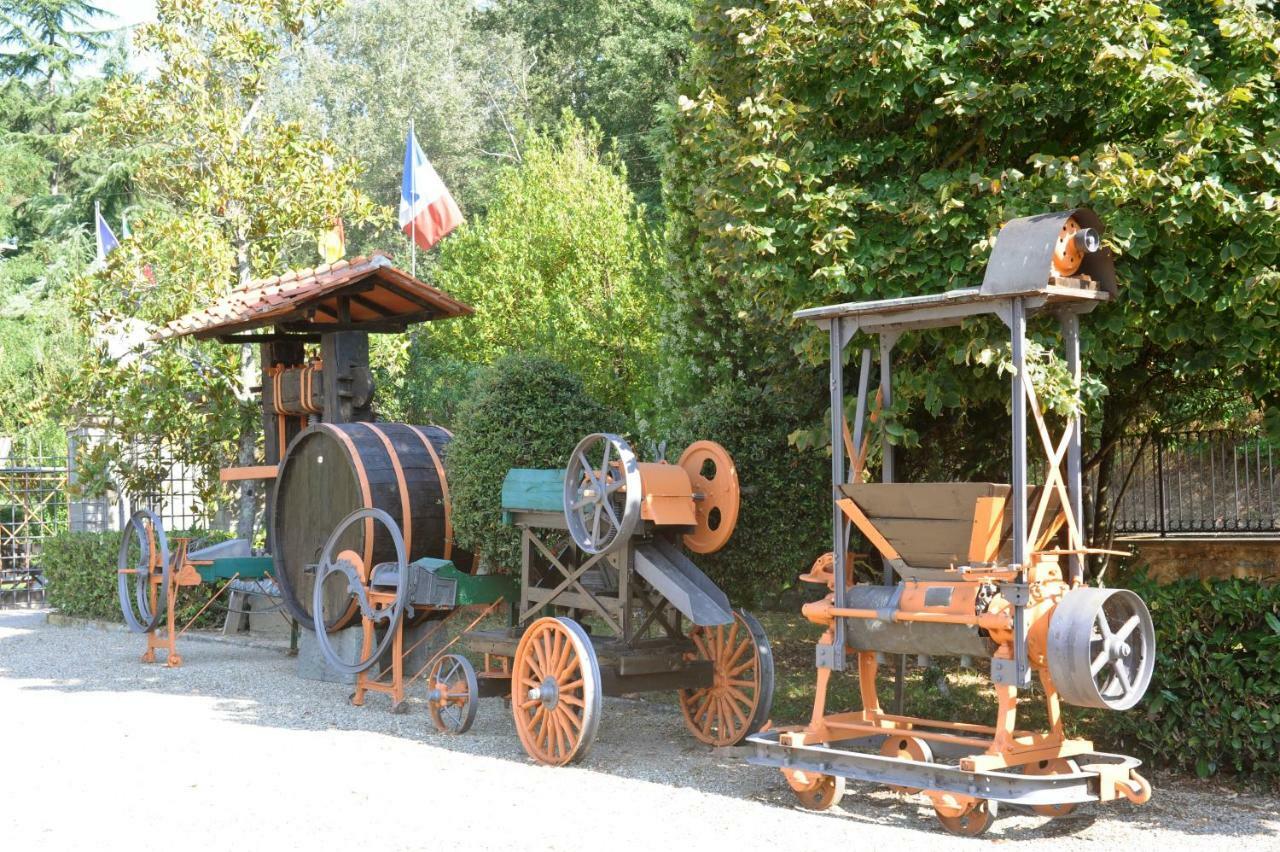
(986, 570)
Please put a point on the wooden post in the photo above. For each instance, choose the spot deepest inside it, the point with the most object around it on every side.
(348, 383)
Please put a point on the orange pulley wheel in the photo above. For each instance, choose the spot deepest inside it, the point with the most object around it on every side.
(716, 496)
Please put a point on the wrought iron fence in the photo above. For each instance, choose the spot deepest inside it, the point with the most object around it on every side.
(33, 507)
(1196, 481)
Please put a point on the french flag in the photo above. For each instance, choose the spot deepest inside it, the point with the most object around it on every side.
(427, 210)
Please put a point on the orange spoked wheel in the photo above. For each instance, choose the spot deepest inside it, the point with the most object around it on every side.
(906, 748)
(1056, 766)
(738, 701)
(815, 792)
(964, 816)
(452, 694)
(556, 691)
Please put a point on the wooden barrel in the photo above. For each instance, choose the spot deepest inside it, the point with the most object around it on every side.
(331, 470)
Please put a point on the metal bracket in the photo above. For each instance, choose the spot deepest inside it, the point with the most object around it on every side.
(1005, 673)
(826, 656)
(1018, 594)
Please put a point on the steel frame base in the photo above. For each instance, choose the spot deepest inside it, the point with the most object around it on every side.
(1100, 777)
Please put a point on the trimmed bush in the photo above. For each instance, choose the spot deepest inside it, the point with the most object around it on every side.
(784, 522)
(1214, 701)
(81, 571)
(524, 412)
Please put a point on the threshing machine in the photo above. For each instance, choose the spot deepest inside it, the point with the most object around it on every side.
(985, 570)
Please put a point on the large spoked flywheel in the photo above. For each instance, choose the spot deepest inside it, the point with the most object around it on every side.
(602, 493)
(1101, 648)
(368, 585)
(144, 552)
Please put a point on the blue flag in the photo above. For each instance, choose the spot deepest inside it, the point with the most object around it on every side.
(106, 239)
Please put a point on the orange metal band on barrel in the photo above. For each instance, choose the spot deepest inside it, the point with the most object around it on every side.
(364, 487)
(406, 514)
(444, 487)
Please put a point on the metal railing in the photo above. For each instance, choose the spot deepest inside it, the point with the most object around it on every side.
(1202, 481)
(33, 507)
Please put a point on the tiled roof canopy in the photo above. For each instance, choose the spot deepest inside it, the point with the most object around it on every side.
(361, 294)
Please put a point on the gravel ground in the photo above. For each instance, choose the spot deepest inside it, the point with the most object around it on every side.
(233, 751)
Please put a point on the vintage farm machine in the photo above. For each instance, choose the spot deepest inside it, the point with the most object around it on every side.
(610, 602)
(151, 575)
(984, 570)
(326, 455)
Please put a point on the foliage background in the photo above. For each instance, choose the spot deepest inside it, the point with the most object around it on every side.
(524, 411)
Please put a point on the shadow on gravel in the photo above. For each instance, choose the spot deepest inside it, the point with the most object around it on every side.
(638, 740)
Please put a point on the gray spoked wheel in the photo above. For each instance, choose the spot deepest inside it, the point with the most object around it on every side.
(1102, 648)
(452, 694)
(602, 493)
(358, 579)
(146, 531)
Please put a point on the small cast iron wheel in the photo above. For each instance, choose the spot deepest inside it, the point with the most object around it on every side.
(556, 691)
(822, 793)
(972, 822)
(1101, 648)
(738, 702)
(903, 747)
(715, 484)
(358, 578)
(1056, 766)
(452, 694)
(146, 531)
(602, 493)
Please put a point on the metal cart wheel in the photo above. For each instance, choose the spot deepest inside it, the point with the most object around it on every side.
(738, 702)
(602, 493)
(1056, 766)
(970, 821)
(817, 792)
(906, 748)
(145, 530)
(556, 691)
(452, 694)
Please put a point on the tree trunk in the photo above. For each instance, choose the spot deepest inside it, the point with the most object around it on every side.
(247, 514)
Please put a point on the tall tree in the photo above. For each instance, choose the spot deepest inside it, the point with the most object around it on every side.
(845, 150)
(373, 66)
(613, 62)
(46, 41)
(562, 264)
(243, 193)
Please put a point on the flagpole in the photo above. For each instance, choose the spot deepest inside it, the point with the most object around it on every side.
(413, 200)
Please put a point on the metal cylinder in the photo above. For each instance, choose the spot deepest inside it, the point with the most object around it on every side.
(907, 637)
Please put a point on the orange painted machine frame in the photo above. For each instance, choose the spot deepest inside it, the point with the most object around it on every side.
(182, 574)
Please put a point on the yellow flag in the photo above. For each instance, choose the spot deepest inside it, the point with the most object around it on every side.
(333, 243)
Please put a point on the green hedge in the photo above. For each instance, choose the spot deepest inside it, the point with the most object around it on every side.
(80, 568)
(785, 519)
(524, 412)
(1214, 701)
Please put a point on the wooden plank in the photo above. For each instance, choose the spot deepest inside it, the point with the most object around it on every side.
(240, 474)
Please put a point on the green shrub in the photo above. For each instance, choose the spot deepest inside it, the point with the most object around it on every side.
(1214, 701)
(524, 412)
(785, 519)
(80, 568)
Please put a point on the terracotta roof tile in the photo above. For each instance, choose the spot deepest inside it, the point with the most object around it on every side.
(288, 297)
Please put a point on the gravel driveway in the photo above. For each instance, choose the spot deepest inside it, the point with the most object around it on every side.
(234, 752)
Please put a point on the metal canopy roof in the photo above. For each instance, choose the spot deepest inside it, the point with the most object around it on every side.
(937, 310)
(362, 294)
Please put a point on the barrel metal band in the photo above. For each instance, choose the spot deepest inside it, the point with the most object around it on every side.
(444, 487)
(406, 514)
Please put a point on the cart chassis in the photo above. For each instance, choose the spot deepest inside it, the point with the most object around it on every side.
(1102, 777)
